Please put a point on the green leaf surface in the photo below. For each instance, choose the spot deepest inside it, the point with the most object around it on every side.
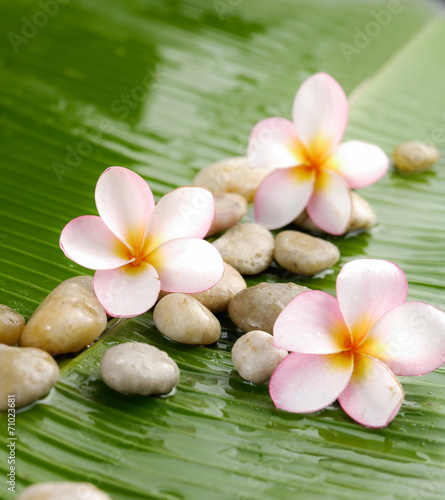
(165, 88)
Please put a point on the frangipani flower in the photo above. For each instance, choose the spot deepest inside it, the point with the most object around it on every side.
(351, 348)
(312, 169)
(137, 248)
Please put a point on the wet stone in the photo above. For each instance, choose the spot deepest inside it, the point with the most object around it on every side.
(254, 356)
(184, 319)
(248, 247)
(258, 307)
(303, 254)
(11, 325)
(137, 368)
(69, 318)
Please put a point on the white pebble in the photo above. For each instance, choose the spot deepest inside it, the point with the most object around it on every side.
(137, 368)
(184, 319)
(254, 356)
(232, 175)
(27, 373)
(69, 318)
(230, 208)
(62, 490)
(11, 325)
(217, 298)
(303, 254)
(414, 156)
(248, 247)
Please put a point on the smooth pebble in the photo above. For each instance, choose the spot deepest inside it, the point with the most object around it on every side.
(414, 156)
(248, 247)
(27, 373)
(67, 320)
(303, 254)
(137, 368)
(184, 319)
(230, 208)
(254, 356)
(363, 217)
(11, 325)
(217, 298)
(258, 307)
(63, 490)
(232, 175)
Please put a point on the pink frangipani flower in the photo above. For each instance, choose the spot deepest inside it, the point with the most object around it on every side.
(137, 248)
(351, 348)
(312, 169)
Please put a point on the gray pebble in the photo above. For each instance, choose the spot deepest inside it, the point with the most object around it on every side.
(254, 356)
(184, 319)
(303, 254)
(27, 373)
(137, 368)
(248, 247)
(230, 208)
(258, 307)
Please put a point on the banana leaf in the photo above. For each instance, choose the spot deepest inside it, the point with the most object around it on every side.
(165, 88)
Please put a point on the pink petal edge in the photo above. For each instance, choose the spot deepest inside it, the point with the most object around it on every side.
(127, 291)
(305, 383)
(87, 241)
(311, 324)
(409, 339)
(124, 202)
(185, 212)
(272, 144)
(282, 196)
(320, 112)
(359, 163)
(187, 265)
(373, 396)
(330, 207)
(366, 290)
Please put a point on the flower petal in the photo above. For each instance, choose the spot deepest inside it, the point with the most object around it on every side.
(330, 207)
(124, 202)
(127, 291)
(186, 212)
(273, 143)
(359, 163)
(373, 396)
(312, 324)
(187, 265)
(366, 290)
(304, 383)
(282, 196)
(88, 242)
(410, 339)
(320, 114)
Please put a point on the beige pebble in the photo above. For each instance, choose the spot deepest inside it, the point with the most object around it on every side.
(230, 208)
(303, 254)
(254, 356)
(248, 247)
(68, 319)
(11, 325)
(258, 307)
(137, 368)
(62, 490)
(27, 373)
(184, 319)
(217, 298)
(414, 156)
(363, 217)
(232, 175)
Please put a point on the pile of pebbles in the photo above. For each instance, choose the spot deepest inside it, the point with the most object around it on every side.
(71, 318)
